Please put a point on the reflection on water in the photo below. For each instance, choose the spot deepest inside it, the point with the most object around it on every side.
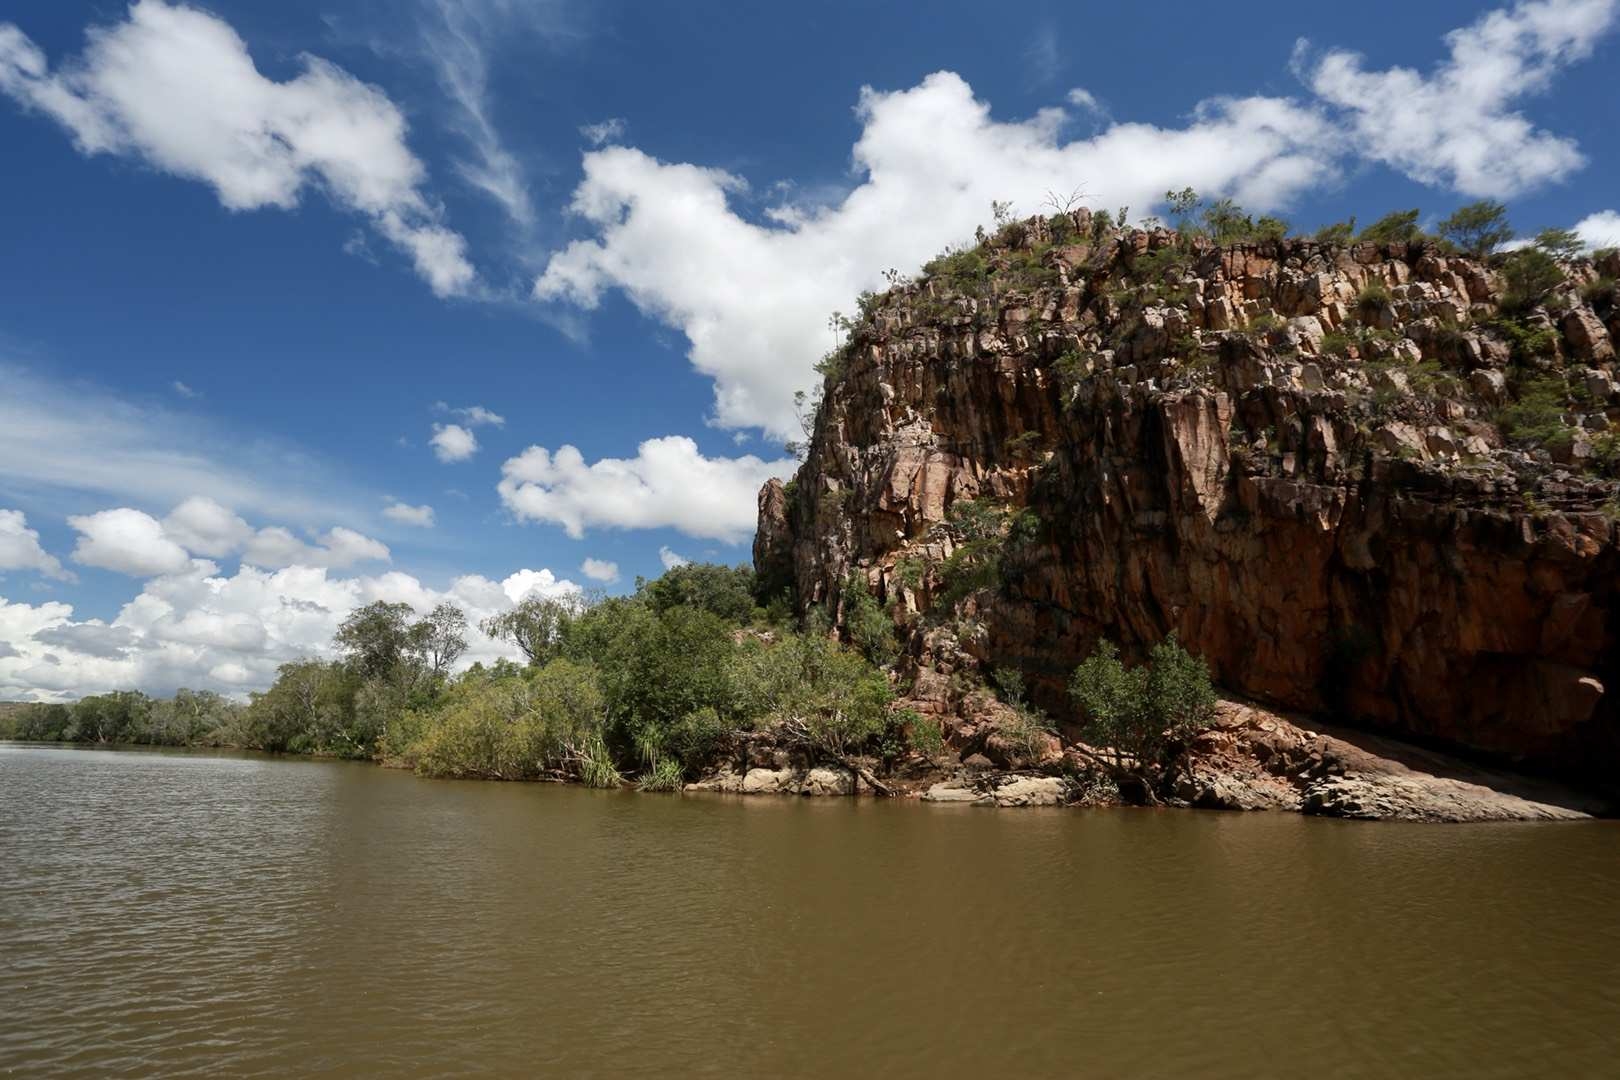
(203, 915)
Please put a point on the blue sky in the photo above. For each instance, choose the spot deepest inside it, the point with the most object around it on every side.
(258, 256)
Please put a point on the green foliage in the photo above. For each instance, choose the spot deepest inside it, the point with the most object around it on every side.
(1338, 344)
(514, 726)
(1024, 727)
(1145, 713)
(1270, 228)
(978, 526)
(1531, 274)
(910, 572)
(1478, 228)
(1072, 367)
(815, 693)
(375, 639)
(1397, 228)
(1022, 444)
(923, 734)
(1527, 342)
(724, 591)
(870, 628)
(666, 775)
(831, 366)
(534, 626)
(961, 267)
(1536, 416)
(1373, 295)
(1563, 244)
(1338, 233)
(1604, 292)
(655, 668)
(310, 708)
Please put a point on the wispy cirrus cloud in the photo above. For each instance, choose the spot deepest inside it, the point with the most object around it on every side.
(65, 442)
(176, 88)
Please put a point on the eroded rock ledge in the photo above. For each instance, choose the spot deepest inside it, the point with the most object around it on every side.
(1250, 759)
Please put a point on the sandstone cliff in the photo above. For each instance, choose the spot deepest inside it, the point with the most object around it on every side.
(1362, 480)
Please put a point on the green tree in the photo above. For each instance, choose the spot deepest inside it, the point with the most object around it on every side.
(818, 694)
(656, 669)
(1144, 714)
(1397, 228)
(724, 591)
(1563, 244)
(375, 639)
(535, 626)
(1183, 205)
(122, 716)
(1478, 228)
(1531, 274)
(310, 707)
(870, 628)
(438, 639)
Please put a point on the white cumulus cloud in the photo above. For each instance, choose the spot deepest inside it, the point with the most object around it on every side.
(128, 541)
(204, 527)
(175, 87)
(452, 443)
(337, 548)
(419, 516)
(600, 570)
(1600, 230)
(205, 630)
(669, 483)
(133, 542)
(20, 548)
(671, 559)
(1459, 124)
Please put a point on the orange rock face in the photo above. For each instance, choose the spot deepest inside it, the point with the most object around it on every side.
(1292, 456)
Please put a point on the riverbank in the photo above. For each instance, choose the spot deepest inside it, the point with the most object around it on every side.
(1249, 759)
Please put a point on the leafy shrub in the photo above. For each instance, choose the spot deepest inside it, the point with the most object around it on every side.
(1025, 728)
(870, 628)
(1373, 295)
(1396, 228)
(1527, 342)
(1147, 712)
(1531, 274)
(724, 591)
(1563, 244)
(663, 776)
(1339, 233)
(923, 734)
(1605, 291)
(910, 572)
(1337, 343)
(815, 693)
(1536, 417)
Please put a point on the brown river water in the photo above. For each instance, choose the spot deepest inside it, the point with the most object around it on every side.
(176, 914)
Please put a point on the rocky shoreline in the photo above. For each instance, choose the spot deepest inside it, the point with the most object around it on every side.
(1251, 759)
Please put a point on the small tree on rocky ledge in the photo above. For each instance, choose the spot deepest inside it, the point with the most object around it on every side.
(1145, 714)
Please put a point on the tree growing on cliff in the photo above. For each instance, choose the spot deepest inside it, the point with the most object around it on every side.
(1478, 228)
(1145, 714)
